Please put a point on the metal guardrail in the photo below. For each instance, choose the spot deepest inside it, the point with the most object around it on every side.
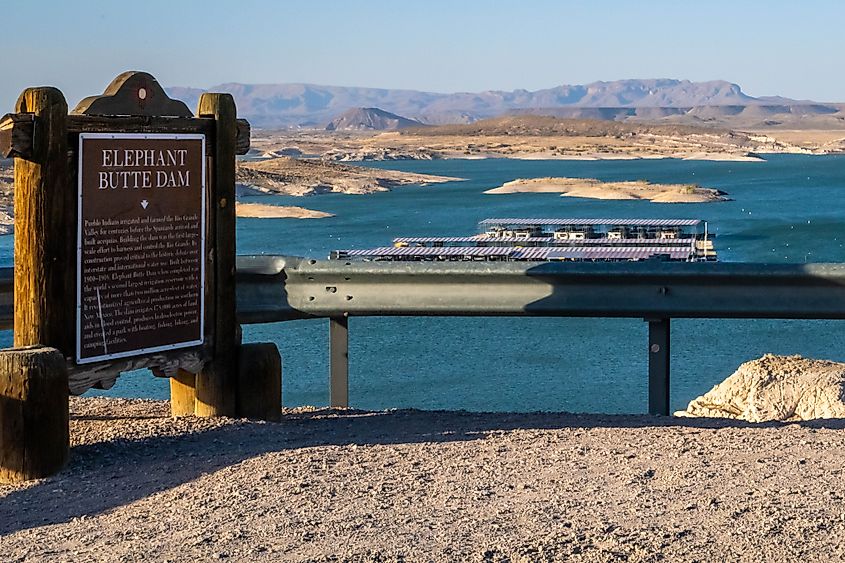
(276, 288)
(279, 288)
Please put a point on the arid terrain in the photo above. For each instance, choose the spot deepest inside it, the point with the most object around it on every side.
(351, 486)
(596, 189)
(538, 137)
(304, 162)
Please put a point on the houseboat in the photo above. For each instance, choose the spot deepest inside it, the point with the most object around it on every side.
(542, 240)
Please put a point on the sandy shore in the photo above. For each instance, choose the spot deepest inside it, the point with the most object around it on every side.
(265, 211)
(430, 486)
(730, 157)
(596, 189)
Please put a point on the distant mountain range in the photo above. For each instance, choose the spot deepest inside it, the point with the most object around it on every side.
(308, 105)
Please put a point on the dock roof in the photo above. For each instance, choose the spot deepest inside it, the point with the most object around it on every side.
(550, 240)
(538, 253)
(432, 251)
(576, 221)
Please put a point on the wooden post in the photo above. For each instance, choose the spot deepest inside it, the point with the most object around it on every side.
(260, 382)
(45, 229)
(33, 413)
(183, 393)
(216, 384)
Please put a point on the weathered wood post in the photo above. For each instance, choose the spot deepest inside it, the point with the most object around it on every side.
(216, 384)
(33, 413)
(260, 382)
(45, 228)
(34, 381)
(183, 393)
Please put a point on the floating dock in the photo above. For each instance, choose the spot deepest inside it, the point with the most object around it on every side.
(556, 239)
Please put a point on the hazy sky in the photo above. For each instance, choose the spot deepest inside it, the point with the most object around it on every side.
(768, 47)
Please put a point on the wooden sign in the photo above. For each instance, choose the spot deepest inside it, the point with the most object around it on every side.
(140, 244)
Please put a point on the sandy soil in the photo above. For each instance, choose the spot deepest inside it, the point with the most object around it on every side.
(596, 189)
(265, 211)
(431, 486)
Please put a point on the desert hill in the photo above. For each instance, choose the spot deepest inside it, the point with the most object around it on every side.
(548, 126)
(370, 119)
(752, 116)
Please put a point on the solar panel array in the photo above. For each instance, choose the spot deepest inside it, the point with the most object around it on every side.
(529, 254)
(544, 240)
(523, 221)
(431, 251)
(599, 246)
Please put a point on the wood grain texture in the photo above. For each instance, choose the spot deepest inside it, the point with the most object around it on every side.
(103, 375)
(133, 93)
(34, 437)
(243, 139)
(45, 229)
(16, 135)
(216, 384)
(260, 382)
(16, 130)
(183, 393)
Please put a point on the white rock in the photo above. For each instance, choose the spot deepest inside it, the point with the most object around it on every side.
(776, 388)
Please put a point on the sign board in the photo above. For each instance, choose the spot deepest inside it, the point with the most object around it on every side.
(140, 244)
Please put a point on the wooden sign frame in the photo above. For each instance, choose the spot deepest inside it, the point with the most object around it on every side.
(143, 350)
(41, 134)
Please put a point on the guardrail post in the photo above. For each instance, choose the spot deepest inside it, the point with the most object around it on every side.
(339, 361)
(658, 366)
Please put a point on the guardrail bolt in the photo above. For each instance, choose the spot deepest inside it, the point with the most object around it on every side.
(655, 348)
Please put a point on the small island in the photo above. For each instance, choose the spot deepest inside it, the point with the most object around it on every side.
(265, 211)
(596, 189)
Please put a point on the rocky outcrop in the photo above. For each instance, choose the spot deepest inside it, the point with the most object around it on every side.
(776, 388)
(378, 153)
(293, 176)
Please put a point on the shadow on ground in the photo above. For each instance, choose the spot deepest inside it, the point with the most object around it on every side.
(110, 474)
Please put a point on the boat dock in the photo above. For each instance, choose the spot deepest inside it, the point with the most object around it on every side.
(555, 239)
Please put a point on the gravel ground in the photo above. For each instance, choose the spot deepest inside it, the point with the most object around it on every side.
(430, 486)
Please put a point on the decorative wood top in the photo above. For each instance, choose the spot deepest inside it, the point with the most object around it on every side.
(133, 93)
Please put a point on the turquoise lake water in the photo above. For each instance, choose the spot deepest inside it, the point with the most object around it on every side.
(788, 209)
